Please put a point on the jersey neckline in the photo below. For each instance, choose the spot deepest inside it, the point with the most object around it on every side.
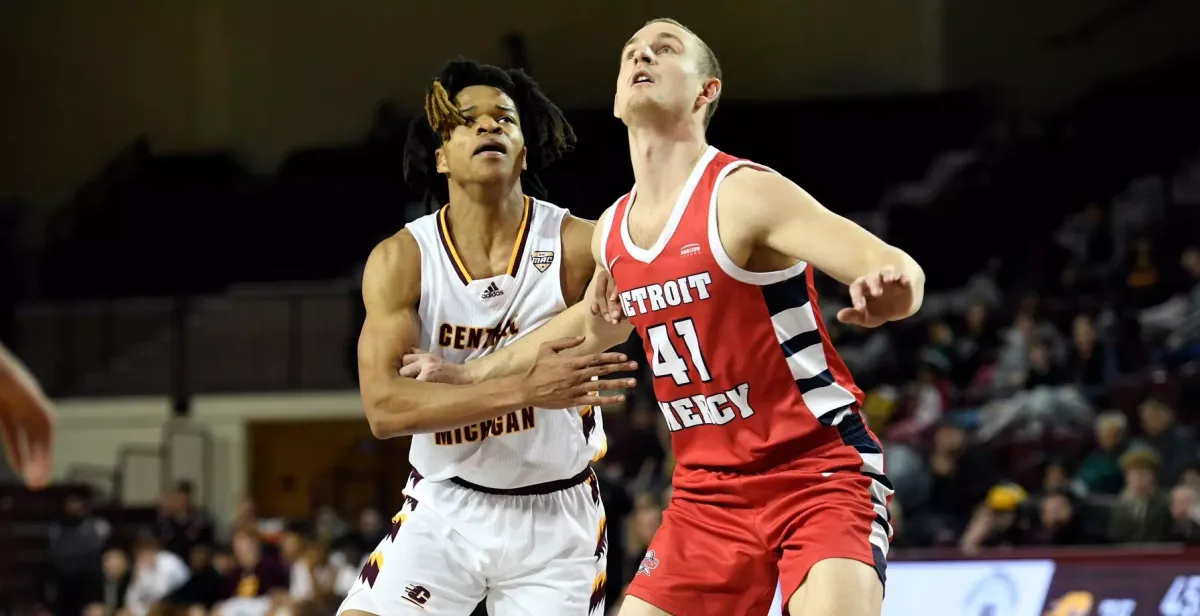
(446, 236)
(681, 202)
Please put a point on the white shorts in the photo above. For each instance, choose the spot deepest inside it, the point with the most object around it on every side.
(451, 546)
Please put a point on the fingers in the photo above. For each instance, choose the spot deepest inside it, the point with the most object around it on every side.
(858, 293)
(13, 447)
(411, 358)
(615, 314)
(37, 464)
(607, 369)
(593, 400)
(875, 284)
(412, 370)
(597, 359)
(562, 344)
(851, 316)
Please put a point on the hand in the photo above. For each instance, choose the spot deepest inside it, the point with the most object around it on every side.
(605, 303)
(558, 381)
(877, 298)
(27, 430)
(424, 366)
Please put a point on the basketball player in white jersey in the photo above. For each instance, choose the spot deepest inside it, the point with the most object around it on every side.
(25, 421)
(501, 503)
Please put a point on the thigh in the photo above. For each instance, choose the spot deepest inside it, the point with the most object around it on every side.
(817, 519)
(704, 560)
(421, 567)
(556, 558)
(838, 587)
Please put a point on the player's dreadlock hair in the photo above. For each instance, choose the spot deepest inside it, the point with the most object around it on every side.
(548, 136)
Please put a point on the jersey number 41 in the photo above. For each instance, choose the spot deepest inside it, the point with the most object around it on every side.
(667, 361)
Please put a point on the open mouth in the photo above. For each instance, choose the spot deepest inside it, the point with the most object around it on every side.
(492, 147)
(641, 77)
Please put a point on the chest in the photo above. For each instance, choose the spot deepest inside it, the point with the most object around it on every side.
(646, 223)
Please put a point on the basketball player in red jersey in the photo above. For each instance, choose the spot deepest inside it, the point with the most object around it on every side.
(25, 421)
(711, 258)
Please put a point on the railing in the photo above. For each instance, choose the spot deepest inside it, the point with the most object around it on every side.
(246, 341)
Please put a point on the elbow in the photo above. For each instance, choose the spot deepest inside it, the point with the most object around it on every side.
(385, 421)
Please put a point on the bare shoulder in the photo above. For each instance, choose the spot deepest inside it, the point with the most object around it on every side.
(762, 198)
(392, 276)
(578, 262)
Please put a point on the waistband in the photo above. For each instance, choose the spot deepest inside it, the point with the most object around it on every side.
(536, 489)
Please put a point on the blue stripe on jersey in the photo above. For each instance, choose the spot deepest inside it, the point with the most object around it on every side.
(796, 329)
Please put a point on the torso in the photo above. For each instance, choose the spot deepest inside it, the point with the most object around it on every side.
(744, 372)
(463, 317)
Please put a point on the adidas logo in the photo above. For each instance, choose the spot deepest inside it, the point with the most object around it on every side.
(492, 291)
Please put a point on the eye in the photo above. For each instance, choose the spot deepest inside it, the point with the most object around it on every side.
(509, 119)
(467, 120)
(665, 49)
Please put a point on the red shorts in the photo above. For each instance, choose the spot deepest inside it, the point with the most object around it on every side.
(726, 539)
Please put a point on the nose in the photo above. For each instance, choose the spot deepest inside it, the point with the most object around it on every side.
(643, 56)
(487, 124)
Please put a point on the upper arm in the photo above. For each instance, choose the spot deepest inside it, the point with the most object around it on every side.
(578, 260)
(781, 216)
(391, 294)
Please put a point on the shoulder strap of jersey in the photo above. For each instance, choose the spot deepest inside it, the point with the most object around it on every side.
(616, 214)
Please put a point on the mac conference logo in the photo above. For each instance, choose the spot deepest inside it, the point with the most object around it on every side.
(995, 595)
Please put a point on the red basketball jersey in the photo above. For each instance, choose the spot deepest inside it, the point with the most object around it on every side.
(743, 368)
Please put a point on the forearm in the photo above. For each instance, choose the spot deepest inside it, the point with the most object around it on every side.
(406, 406)
(578, 320)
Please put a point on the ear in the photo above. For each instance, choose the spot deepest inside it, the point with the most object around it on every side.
(524, 159)
(710, 91)
(440, 156)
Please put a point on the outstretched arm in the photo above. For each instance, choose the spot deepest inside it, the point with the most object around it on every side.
(398, 406)
(885, 283)
(581, 241)
(25, 421)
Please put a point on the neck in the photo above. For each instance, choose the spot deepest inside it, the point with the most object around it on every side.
(483, 213)
(663, 157)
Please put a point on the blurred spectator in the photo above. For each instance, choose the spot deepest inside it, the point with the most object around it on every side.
(76, 548)
(1142, 515)
(156, 574)
(1041, 369)
(181, 525)
(1090, 364)
(254, 574)
(1185, 514)
(1100, 470)
(1057, 522)
(997, 522)
(203, 588)
(115, 583)
(1175, 444)
(1143, 277)
(365, 537)
(960, 477)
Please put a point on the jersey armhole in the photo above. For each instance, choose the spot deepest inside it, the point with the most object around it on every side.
(606, 230)
(718, 249)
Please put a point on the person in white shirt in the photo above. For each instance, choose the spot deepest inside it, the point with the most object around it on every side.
(156, 574)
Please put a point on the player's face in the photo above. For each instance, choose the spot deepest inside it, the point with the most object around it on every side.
(489, 147)
(660, 71)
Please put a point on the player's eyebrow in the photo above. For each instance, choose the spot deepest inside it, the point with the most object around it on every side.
(660, 35)
(500, 106)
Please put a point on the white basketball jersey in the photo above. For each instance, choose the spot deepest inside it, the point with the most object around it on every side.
(463, 318)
